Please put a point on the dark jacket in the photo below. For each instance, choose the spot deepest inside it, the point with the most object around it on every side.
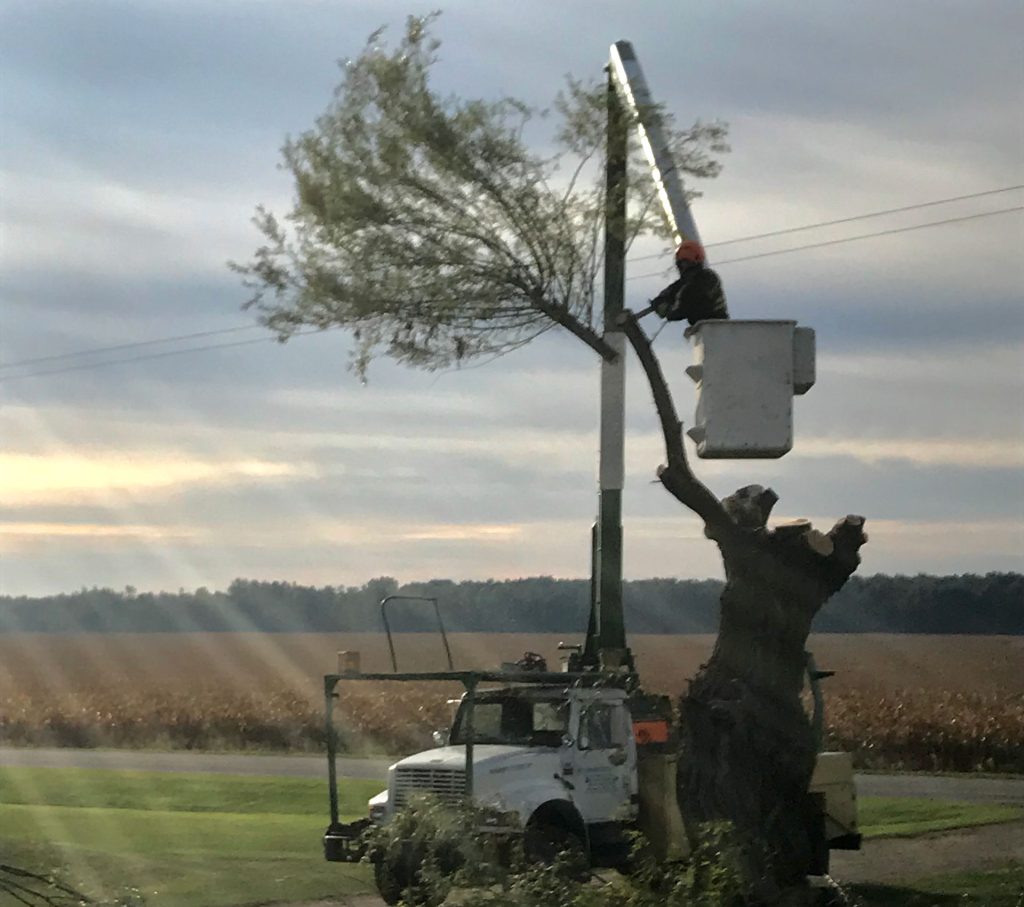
(696, 296)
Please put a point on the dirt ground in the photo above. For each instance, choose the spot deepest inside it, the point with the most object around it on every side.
(881, 860)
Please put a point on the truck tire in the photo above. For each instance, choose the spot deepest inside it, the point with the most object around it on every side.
(396, 871)
(548, 842)
(391, 881)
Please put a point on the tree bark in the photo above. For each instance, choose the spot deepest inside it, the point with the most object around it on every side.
(747, 746)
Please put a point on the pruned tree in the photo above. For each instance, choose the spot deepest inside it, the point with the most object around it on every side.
(747, 745)
(428, 227)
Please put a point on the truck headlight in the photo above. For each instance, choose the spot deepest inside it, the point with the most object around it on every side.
(378, 807)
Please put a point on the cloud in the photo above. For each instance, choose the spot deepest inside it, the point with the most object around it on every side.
(110, 226)
(927, 452)
(349, 554)
(18, 537)
(475, 532)
(140, 137)
(70, 477)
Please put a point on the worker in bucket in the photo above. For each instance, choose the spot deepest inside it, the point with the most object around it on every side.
(697, 295)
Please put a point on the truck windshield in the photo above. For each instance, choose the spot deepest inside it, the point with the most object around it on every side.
(515, 720)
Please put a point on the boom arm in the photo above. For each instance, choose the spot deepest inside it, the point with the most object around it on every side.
(636, 97)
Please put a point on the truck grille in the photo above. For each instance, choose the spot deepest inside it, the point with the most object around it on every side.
(444, 783)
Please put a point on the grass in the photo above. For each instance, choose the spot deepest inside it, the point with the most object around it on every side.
(1003, 887)
(899, 817)
(180, 839)
(179, 791)
(218, 840)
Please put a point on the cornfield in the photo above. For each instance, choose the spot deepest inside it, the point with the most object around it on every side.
(376, 718)
(254, 692)
(928, 730)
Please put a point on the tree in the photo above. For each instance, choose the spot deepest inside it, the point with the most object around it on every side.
(747, 746)
(428, 227)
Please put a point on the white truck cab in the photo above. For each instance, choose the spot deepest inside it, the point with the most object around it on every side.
(549, 757)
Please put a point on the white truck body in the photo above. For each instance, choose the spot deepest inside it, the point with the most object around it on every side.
(580, 770)
(578, 755)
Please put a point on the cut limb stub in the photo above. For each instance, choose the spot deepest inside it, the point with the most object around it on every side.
(801, 532)
(750, 506)
(791, 529)
(819, 543)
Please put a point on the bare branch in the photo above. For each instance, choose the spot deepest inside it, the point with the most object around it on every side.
(590, 337)
(676, 475)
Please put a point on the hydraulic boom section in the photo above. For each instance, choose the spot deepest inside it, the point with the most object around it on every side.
(636, 97)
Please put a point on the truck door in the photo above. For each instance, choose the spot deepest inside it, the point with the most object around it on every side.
(605, 761)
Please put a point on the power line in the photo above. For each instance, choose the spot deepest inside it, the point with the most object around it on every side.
(847, 220)
(126, 346)
(217, 346)
(248, 327)
(846, 239)
(164, 355)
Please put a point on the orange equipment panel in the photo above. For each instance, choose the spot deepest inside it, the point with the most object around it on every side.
(651, 731)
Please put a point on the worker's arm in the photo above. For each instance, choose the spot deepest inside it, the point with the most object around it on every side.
(666, 303)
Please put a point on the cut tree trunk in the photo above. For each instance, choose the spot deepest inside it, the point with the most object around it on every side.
(747, 745)
(748, 748)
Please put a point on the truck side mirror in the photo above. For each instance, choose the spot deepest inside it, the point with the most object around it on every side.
(442, 736)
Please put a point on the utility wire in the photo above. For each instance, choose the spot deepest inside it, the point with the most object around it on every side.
(724, 242)
(218, 346)
(846, 239)
(127, 346)
(248, 327)
(846, 220)
(164, 355)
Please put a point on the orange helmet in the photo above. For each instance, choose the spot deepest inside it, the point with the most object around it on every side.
(690, 250)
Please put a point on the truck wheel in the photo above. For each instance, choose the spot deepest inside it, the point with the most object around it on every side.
(389, 881)
(397, 873)
(394, 872)
(546, 842)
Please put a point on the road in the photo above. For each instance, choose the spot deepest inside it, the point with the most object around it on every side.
(218, 763)
(975, 790)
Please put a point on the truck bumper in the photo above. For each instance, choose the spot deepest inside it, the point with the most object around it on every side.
(343, 841)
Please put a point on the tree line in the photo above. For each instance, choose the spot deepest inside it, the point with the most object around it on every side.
(967, 603)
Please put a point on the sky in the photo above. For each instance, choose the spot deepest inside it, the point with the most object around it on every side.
(139, 136)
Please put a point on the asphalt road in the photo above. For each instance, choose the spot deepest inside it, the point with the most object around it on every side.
(222, 763)
(975, 790)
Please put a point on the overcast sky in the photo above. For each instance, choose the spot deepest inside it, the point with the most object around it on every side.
(137, 137)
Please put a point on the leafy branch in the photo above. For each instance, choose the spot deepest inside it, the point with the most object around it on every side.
(426, 225)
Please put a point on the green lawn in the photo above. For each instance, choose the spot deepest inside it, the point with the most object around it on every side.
(893, 817)
(993, 888)
(220, 840)
(180, 839)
